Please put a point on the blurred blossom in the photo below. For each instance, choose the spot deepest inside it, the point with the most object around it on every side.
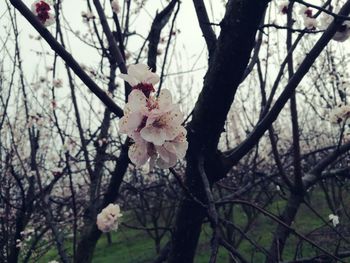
(108, 219)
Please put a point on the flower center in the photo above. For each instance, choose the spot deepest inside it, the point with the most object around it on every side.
(143, 124)
(308, 13)
(146, 88)
(285, 9)
(159, 123)
(42, 10)
(342, 28)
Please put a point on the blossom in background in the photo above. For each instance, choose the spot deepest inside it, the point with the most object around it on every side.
(307, 14)
(108, 219)
(310, 23)
(283, 7)
(57, 83)
(342, 34)
(87, 16)
(334, 219)
(305, 11)
(115, 6)
(42, 10)
(154, 123)
(339, 114)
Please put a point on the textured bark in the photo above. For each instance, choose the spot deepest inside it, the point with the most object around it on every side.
(225, 72)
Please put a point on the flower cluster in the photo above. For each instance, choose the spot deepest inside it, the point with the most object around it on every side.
(108, 219)
(154, 123)
(340, 114)
(42, 10)
(311, 23)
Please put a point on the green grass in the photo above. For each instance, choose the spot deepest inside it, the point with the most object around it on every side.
(135, 246)
(128, 246)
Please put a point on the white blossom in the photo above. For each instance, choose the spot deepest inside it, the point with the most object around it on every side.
(334, 219)
(115, 6)
(57, 83)
(108, 219)
(310, 23)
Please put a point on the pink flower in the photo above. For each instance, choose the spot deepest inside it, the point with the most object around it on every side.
(283, 7)
(154, 123)
(42, 10)
(163, 128)
(115, 6)
(140, 73)
(159, 106)
(158, 114)
(140, 77)
(107, 220)
(305, 11)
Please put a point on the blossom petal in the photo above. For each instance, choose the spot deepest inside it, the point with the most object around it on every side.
(131, 80)
(153, 134)
(138, 71)
(130, 122)
(165, 165)
(137, 101)
(152, 78)
(138, 154)
(165, 100)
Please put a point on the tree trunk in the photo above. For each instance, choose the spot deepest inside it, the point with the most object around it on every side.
(282, 233)
(227, 65)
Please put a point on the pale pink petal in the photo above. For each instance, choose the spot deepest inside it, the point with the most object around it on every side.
(131, 80)
(170, 147)
(151, 120)
(130, 122)
(135, 135)
(165, 100)
(171, 132)
(138, 154)
(174, 117)
(123, 124)
(181, 137)
(137, 101)
(165, 165)
(153, 134)
(163, 153)
(138, 71)
(181, 149)
(134, 121)
(152, 78)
